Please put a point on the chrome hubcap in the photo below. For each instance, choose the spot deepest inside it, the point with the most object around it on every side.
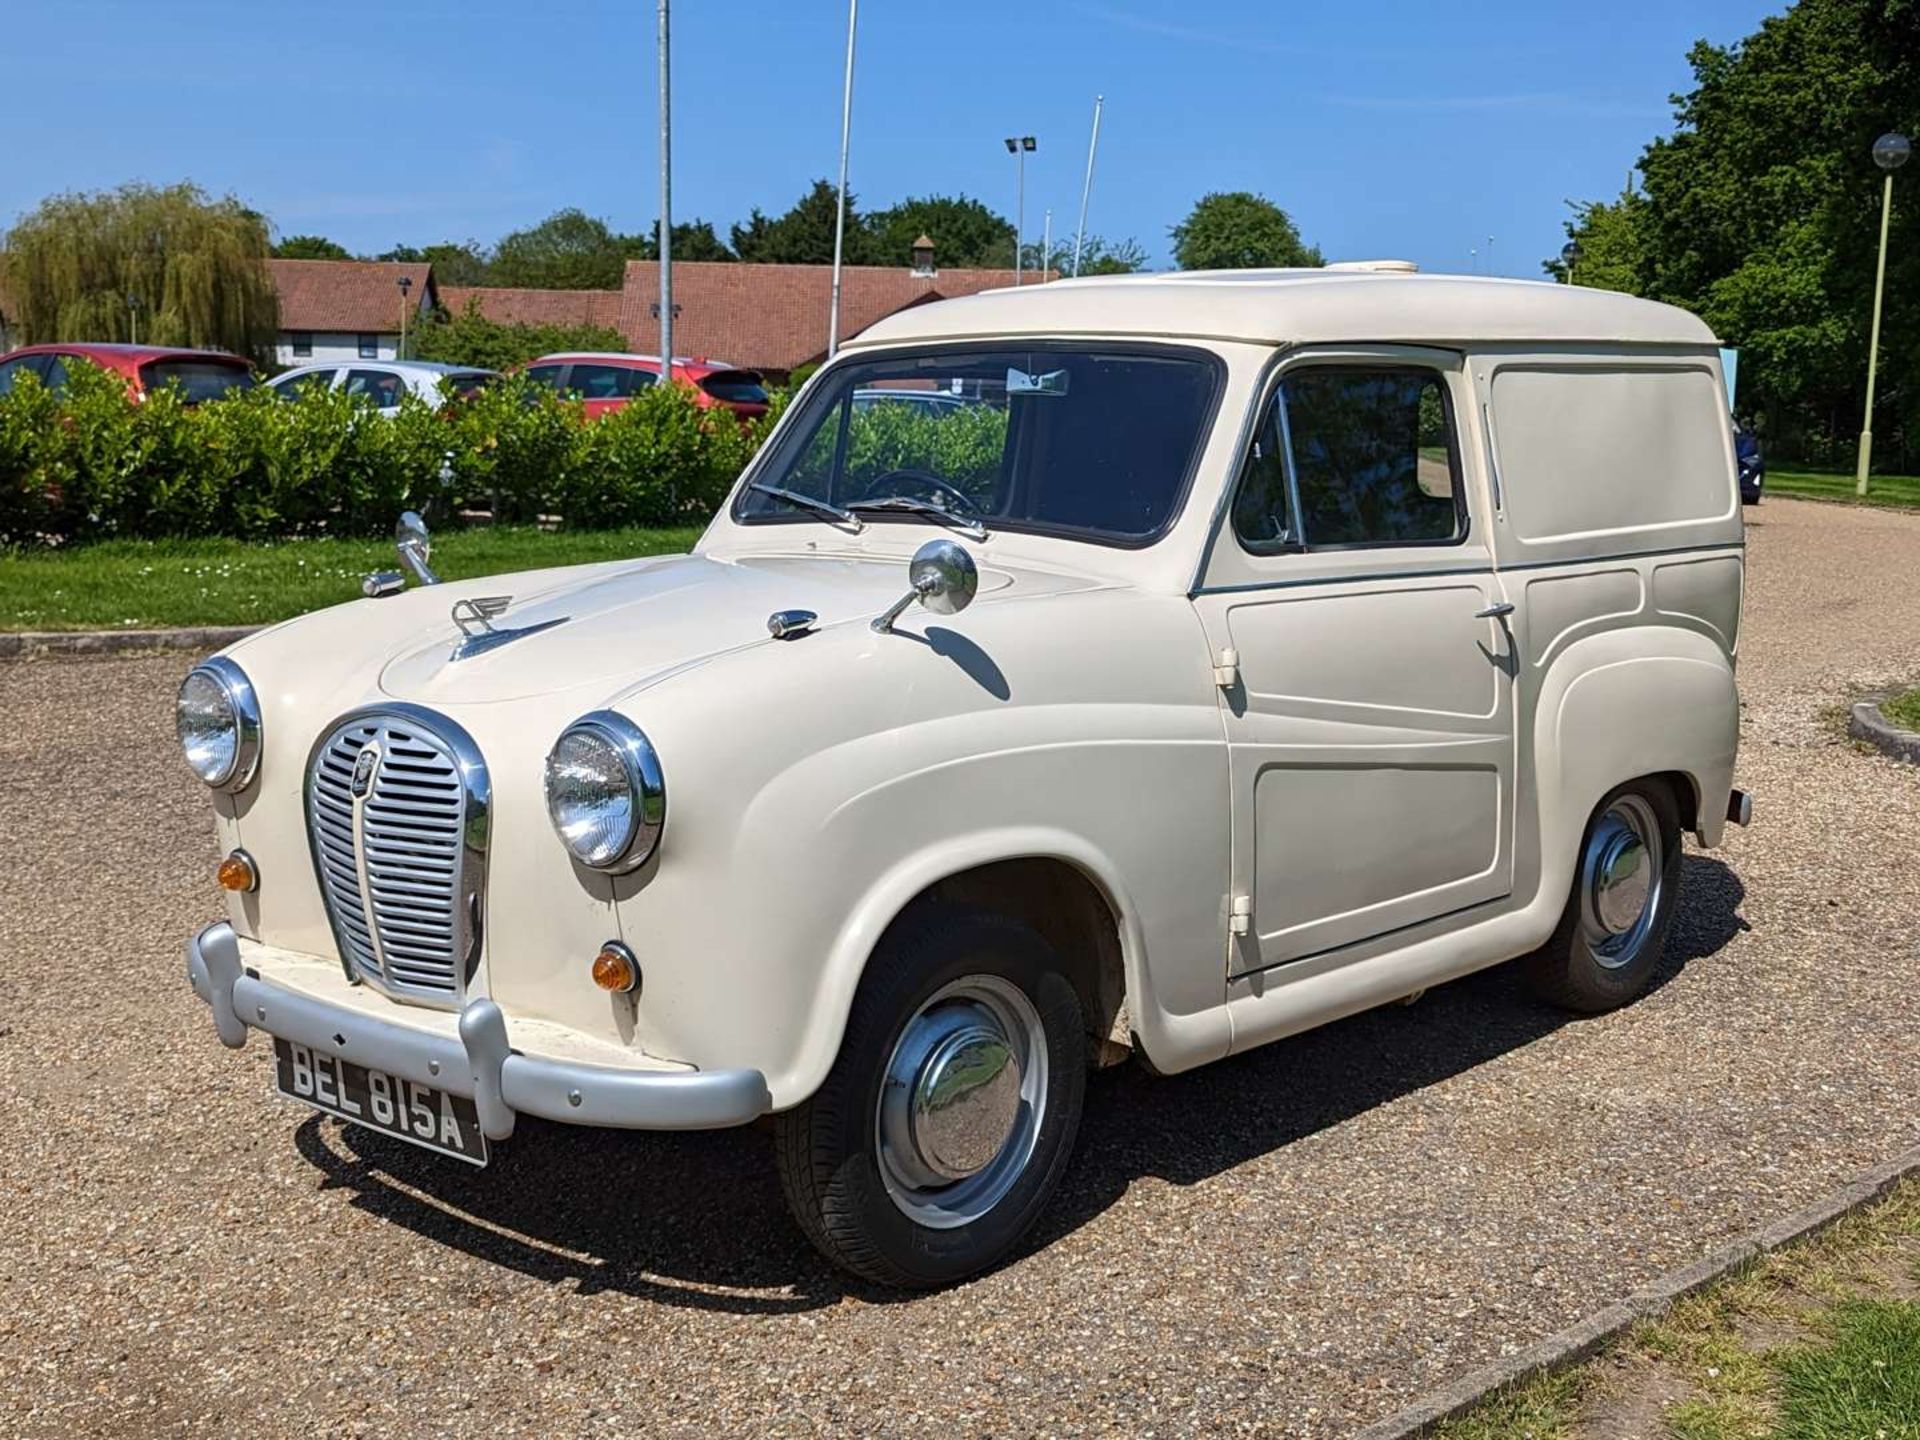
(1620, 872)
(961, 1106)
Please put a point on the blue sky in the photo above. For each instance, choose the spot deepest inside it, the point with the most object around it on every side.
(1386, 129)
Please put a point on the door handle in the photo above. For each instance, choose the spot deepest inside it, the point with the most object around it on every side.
(1495, 612)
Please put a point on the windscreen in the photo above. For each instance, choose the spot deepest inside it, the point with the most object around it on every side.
(736, 387)
(1094, 442)
(198, 379)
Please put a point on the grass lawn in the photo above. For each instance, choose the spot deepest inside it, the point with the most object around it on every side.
(1896, 490)
(1817, 1342)
(139, 584)
(1903, 710)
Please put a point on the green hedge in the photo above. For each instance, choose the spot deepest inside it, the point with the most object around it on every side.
(86, 464)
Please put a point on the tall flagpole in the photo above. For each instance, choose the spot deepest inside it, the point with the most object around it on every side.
(840, 219)
(1086, 187)
(666, 201)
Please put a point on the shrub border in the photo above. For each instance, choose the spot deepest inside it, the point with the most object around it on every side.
(1581, 1340)
(1865, 722)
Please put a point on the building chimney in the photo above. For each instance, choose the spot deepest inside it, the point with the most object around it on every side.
(923, 256)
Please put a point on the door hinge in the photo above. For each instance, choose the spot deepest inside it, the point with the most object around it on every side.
(1226, 668)
(1240, 914)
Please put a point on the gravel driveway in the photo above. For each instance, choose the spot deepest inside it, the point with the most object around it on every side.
(1295, 1242)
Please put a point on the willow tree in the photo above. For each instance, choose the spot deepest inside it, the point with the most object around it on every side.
(163, 265)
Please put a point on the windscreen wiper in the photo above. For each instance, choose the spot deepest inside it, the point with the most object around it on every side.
(809, 502)
(972, 529)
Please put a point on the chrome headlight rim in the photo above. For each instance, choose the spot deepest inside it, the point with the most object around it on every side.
(245, 705)
(646, 786)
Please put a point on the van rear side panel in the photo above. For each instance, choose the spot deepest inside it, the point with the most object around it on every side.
(1599, 455)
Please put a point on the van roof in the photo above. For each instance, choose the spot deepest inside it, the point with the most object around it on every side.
(1300, 307)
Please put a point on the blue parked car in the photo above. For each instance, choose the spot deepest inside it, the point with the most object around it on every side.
(1753, 465)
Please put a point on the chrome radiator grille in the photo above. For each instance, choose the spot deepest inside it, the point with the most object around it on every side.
(397, 814)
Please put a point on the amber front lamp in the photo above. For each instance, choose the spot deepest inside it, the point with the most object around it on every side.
(615, 969)
(238, 873)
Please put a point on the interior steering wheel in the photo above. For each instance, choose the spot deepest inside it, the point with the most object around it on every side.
(921, 477)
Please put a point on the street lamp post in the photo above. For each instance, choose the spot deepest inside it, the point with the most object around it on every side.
(133, 318)
(1570, 257)
(1020, 146)
(406, 284)
(1890, 152)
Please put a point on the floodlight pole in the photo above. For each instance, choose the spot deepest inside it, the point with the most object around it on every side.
(1046, 245)
(1086, 185)
(840, 217)
(666, 198)
(1018, 146)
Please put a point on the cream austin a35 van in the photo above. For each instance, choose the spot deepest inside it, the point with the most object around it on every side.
(1159, 664)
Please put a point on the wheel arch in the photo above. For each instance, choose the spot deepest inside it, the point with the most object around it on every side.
(1015, 871)
(1641, 702)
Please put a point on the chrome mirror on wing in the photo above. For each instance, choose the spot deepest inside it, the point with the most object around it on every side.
(944, 579)
(410, 538)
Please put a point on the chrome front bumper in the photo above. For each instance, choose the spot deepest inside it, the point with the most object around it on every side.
(480, 1063)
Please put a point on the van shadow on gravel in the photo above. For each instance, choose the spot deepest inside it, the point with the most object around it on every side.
(697, 1220)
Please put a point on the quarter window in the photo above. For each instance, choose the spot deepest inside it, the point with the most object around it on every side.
(1372, 461)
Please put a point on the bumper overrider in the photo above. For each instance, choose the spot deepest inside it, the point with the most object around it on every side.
(479, 1063)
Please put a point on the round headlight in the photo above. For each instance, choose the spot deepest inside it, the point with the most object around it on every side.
(605, 792)
(218, 720)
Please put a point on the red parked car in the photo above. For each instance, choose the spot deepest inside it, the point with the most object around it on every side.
(200, 374)
(607, 381)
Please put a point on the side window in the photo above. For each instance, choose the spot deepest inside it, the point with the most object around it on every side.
(55, 375)
(293, 387)
(1374, 463)
(1262, 514)
(382, 387)
(545, 374)
(606, 382)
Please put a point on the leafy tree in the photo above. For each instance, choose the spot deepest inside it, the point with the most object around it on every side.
(1097, 256)
(310, 247)
(453, 263)
(186, 269)
(470, 338)
(804, 235)
(1761, 212)
(1612, 245)
(1238, 230)
(569, 250)
(965, 233)
(694, 240)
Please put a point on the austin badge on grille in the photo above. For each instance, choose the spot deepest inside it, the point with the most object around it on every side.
(363, 772)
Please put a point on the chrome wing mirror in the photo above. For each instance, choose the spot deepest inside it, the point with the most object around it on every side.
(410, 538)
(944, 579)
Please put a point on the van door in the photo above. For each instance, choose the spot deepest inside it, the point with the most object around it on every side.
(1365, 660)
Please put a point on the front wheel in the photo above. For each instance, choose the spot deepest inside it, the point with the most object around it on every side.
(950, 1114)
(1625, 886)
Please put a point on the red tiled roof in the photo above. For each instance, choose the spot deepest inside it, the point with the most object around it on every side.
(351, 295)
(535, 307)
(774, 317)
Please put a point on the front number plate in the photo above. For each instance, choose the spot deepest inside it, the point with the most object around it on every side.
(433, 1119)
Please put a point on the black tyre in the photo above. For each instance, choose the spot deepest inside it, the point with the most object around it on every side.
(950, 1113)
(1626, 883)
